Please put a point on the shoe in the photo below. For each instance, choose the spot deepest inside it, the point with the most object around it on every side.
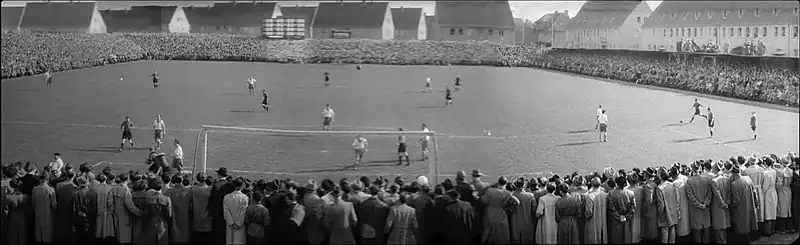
(408, 164)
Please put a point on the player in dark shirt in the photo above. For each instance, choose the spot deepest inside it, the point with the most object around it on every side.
(696, 106)
(448, 98)
(458, 82)
(711, 122)
(155, 79)
(265, 100)
(127, 136)
(327, 79)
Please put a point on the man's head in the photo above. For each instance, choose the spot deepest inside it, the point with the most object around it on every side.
(127, 119)
(56, 156)
(158, 117)
(327, 106)
(222, 172)
(176, 142)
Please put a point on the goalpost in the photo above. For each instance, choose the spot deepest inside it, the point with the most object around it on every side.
(296, 151)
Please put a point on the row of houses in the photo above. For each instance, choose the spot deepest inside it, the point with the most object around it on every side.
(457, 21)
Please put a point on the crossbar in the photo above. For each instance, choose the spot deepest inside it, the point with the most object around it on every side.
(222, 128)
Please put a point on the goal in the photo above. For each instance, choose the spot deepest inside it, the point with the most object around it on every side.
(263, 151)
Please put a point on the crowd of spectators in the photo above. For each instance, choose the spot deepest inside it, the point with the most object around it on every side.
(730, 201)
(27, 53)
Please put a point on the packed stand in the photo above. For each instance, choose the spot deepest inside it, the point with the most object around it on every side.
(404, 53)
(219, 47)
(31, 53)
(730, 201)
(766, 84)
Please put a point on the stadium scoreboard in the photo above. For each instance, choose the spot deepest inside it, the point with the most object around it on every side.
(284, 28)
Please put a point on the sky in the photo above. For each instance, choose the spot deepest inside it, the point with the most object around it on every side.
(531, 10)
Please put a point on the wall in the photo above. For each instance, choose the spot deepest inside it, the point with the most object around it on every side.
(422, 28)
(387, 28)
(630, 32)
(179, 23)
(703, 34)
(238, 30)
(476, 34)
(355, 33)
(547, 37)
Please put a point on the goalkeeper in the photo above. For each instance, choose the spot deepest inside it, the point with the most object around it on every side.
(359, 148)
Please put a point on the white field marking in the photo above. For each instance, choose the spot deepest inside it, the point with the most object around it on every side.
(713, 140)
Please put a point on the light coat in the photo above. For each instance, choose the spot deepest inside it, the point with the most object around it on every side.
(783, 184)
(234, 207)
(339, 218)
(596, 226)
(124, 209)
(45, 205)
(523, 218)
(770, 195)
(547, 228)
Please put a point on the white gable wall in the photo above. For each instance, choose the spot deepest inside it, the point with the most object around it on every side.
(422, 28)
(277, 11)
(179, 23)
(387, 27)
(97, 25)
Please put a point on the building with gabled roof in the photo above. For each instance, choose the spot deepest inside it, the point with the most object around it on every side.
(231, 18)
(552, 28)
(409, 24)
(168, 19)
(475, 21)
(62, 17)
(10, 18)
(608, 25)
(431, 31)
(368, 20)
(306, 13)
(727, 24)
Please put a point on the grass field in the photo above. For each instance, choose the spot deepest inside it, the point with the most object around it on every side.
(540, 121)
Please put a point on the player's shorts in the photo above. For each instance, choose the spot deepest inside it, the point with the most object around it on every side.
(448, 98)
(177, 164)
(127, 135)
(753, 127)
(711, 123)
(250, 86)
(401, 149)
(424, 145)
(265, 102)
(697, 112)
(326, 121)
(155, 81)
(327, 79)
(603, 127)
(359, 151)
(49, 80)
(159, 134)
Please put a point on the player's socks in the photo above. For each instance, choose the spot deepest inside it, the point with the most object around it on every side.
(400, 160)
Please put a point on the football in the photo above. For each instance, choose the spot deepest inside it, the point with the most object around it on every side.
(681, 121)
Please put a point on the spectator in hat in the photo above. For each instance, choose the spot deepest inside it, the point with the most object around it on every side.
(201, 224)
(64, 190)
(393, 195)
(80, 212)
(770, 196)
(401, 223)
(523, 217)
(649, 205)
(458, 220)
(124, 208)
(423, 207)
(234, 208)
(569, 210)
(257, 220)
(596, 231)
(100, 212)
(17, 215)
(313, 204)
(621, 206)
(699, 189)
(30, 178)
(783, 185)
(638, 193)
(357, 195)
(547, 227)
(339, 219)
(720, 215)
(291, 220)
(215, 205)
(743, 207)
(465, 189)
(158, 214)
(497, 201)
(479, 184)
(181, 197)
(756, 173)
(683, 228)
(372, 214)
(44, 207)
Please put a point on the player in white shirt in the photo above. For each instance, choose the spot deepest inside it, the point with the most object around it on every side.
(424, 141)
(599, 112)
(57, 165)
(160, 130)
(48, 76)
(753, 121)
(428, 88)
(251, 85)
(603, 121)
(359, 148)
(327, 117)
(177, 159)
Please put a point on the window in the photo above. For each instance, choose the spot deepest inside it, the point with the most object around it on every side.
(673, 16)
(645, 19)
(671, 32)
(685, 15)
(794, 31)
(755, 31)
(452, 32)
(775, 12)
(739, 32)
(694, 32)
(730, 32)
(715, 32)
(756, 12)
(741, 13)
(218, 27)
(796, 52)
(795, 11)
(776, 32)
(747, 32)
(460, 32)
(683, 32)
(724, 14)
(638, 19)
(764, 31)
(665, 32)
(783, 31)
(697, 15)
(654, 32)
(491, 32)
(701, 32)
(663, 16)
(501, 33)
(709, 15)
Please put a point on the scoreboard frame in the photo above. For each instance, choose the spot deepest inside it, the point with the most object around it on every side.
(283, 28)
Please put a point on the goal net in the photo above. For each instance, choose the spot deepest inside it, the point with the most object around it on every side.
(260, 152)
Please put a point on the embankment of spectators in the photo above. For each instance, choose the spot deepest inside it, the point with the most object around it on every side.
(26, 53)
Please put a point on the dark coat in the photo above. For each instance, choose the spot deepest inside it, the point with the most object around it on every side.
(459, 223)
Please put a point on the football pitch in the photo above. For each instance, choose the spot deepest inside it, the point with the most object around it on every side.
(540, 121)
